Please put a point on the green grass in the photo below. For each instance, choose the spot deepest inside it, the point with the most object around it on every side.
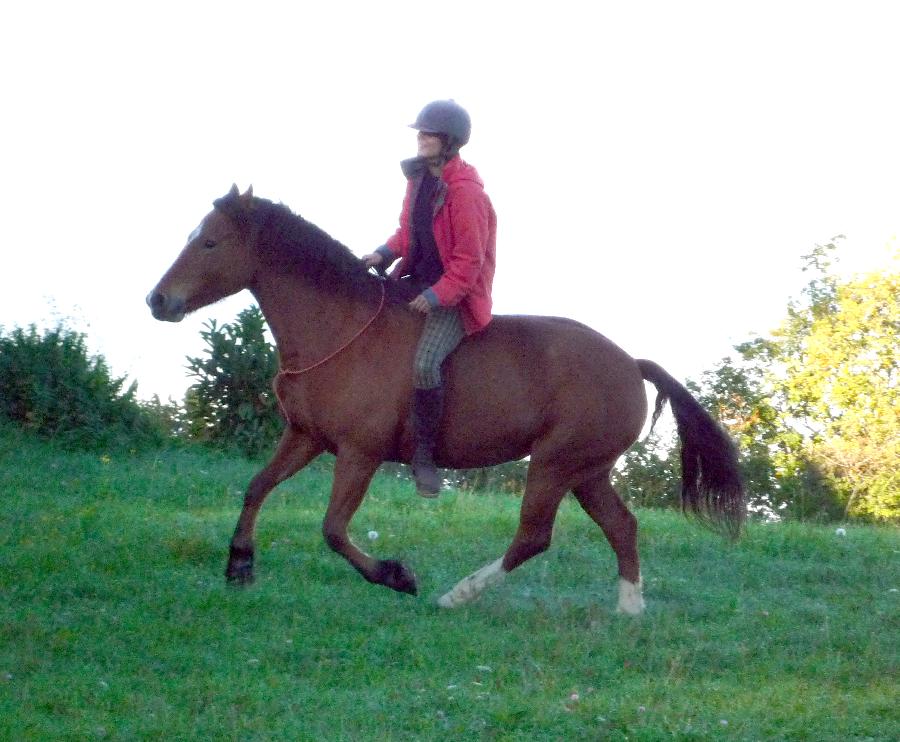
(116, 622)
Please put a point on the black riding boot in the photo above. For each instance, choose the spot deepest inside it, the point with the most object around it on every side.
(428, 405)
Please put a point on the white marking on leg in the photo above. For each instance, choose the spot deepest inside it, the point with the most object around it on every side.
(472, 586)
(631, 601)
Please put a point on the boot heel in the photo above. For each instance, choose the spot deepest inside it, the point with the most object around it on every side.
(428, 481)
(427, 410)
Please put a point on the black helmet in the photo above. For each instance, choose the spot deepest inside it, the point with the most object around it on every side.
(445, 117)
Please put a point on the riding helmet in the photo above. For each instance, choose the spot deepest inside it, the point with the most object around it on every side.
(445, 117)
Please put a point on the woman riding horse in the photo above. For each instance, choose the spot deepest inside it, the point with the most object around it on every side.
(446, 241)
(548, 388)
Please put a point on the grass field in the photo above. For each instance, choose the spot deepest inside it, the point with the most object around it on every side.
(117, 624)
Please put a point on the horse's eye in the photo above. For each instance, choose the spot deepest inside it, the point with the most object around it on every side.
(209, 244)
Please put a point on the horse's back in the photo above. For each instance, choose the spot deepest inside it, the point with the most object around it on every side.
(527, 378)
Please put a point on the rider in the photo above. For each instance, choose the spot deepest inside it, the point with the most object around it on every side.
(446, 242)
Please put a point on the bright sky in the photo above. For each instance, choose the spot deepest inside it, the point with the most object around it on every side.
(658, 168)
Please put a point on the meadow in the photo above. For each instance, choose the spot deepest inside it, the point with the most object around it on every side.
(116, 622)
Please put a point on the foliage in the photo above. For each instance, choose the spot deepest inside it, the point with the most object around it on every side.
(845, 380)
(116, 623)
(232, 404)
(169, 416)
(734, 394)
(816, 406)
(509, 477)
(51, 385)
(649, 475)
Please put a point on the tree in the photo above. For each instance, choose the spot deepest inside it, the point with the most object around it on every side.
(841, 380)
(232, 402)
(816, 406)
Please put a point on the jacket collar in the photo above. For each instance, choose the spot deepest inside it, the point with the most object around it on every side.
(414, 167)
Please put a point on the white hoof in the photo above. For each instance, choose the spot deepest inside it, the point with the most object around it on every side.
(471, 587)
(447, 601)
(631, 600)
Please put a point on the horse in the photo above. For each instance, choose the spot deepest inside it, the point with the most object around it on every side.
(548, 388)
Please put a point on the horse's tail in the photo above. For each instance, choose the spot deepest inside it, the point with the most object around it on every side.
(711, 486)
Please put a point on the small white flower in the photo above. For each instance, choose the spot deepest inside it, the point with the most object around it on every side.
(574, 697)
(723, 722)
(373, 535)
(841, 532)
(483, 668)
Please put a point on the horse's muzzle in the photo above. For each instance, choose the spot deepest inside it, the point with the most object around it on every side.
(165, 308)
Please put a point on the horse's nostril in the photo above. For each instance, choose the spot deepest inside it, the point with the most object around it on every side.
(155, 300)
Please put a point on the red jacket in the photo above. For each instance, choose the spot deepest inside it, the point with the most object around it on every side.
(465, 230)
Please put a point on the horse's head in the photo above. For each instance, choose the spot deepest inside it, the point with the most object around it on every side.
(216, 261)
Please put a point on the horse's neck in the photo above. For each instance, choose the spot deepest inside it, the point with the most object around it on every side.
(307, 323)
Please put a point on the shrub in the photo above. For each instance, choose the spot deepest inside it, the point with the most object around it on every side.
(52, 386)
(232, 403)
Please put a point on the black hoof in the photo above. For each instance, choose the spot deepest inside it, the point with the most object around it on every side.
(240, 567)
(239, 576)
(397, 576)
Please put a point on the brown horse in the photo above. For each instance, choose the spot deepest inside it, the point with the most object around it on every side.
(540, 386)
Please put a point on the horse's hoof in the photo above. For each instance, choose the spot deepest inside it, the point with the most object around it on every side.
(240, 567)
(240, 576)
(397, 576)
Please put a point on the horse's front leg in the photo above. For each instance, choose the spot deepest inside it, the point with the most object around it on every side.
(353, 471)
(295, 450)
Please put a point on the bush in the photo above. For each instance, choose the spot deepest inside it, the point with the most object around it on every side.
(51, 386)
(232, 403)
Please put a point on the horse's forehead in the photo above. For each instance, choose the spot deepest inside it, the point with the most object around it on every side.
(198, 230)
(207, 225)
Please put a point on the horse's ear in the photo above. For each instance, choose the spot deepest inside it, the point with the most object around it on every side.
(231, 204)
(249, 194)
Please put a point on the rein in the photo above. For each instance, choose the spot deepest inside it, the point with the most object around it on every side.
(300, 371)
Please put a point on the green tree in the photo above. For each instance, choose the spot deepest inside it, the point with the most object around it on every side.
(841, 385)
(232, 403)
(816, 406)
(648, 474)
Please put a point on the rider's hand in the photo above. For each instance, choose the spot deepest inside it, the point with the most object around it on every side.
(420, 304)
(373, 259)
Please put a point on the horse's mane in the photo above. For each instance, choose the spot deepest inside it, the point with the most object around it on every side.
(290, 243)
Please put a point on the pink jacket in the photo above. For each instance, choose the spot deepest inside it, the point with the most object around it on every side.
(465, 230)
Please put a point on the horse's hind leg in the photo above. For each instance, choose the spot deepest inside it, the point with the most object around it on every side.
(544, 491)
(603, 504)
(295, 450)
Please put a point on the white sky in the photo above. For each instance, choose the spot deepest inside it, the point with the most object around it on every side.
(658, 168)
